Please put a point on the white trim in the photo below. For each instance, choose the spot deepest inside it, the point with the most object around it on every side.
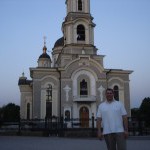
(45, 77)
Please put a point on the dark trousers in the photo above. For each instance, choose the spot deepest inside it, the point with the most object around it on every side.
(115, 141)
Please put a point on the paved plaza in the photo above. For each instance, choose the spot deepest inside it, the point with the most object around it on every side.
(57, 143)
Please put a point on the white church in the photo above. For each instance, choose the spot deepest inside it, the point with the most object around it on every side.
(72, 82)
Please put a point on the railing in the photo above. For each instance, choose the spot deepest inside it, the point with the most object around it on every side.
(58, 126)
(137, 127)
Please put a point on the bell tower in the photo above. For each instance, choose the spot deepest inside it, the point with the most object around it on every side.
(78, 34)
(78, 6)
(78, 27)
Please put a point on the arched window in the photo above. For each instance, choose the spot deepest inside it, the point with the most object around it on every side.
(67, 115)
(49, 101)
(80, 5)
(80, 33)
(28, 110)
(83, 88)
(116, 92)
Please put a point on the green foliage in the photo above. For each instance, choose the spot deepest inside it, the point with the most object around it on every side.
(10, 113)
(145, 106)
(135, 112)
(145, 110)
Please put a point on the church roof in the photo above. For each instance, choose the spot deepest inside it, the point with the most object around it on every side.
(59, 42)
(24, 81)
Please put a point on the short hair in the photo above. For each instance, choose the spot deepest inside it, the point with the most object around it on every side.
(109, 89)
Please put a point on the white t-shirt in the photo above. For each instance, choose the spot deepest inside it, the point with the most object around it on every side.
(111, 114)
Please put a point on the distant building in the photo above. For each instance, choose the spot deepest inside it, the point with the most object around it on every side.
(72, 83)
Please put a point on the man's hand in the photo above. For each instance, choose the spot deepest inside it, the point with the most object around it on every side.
(99, 135)
(99, 132)
(126, 134)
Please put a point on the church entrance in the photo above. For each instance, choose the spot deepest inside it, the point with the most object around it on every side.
(84, 117)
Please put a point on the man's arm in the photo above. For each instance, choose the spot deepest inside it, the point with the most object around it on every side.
(125, 123)
(99, 132)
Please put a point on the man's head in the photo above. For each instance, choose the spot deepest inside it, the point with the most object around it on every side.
(109, 94)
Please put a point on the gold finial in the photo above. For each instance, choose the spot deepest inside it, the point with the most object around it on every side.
(44, 48)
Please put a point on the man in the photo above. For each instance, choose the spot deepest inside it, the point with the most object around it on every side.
(112, 117)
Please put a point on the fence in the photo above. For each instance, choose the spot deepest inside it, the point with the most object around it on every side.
(64, 127)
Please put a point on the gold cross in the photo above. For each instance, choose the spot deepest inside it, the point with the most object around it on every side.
(44, 40)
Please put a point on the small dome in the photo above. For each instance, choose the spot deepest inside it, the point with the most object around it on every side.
(59, 42)
(23, 80)
(44, 55)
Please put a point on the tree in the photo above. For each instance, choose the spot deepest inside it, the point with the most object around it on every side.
(135, 112)
(10, 113)
(145, 110)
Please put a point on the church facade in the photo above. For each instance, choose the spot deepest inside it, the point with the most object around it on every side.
(72, 82)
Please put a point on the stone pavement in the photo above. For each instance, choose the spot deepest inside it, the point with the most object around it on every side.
(57, 143)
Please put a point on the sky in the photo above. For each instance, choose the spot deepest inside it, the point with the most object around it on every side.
(122, 34)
